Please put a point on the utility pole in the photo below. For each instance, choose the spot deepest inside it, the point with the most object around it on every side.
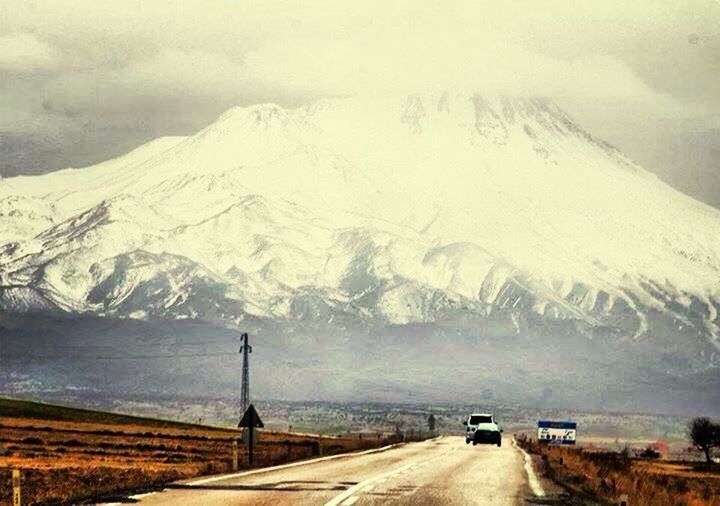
(250, 420)
(245, 349)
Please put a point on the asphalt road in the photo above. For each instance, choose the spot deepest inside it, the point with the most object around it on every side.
(441, 471)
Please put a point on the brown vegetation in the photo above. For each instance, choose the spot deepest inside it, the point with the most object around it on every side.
(69, 461)
(606, 475)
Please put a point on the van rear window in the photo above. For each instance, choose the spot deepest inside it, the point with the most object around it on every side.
(476, 419)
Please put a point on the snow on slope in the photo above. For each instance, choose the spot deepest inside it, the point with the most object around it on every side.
(369, 209)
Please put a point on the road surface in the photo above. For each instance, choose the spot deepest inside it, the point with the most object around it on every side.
(440, 471)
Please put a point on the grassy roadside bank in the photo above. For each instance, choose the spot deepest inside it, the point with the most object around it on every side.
(606, 475)
(69, 456)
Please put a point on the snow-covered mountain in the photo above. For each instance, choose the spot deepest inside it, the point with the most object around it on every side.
(501, 212)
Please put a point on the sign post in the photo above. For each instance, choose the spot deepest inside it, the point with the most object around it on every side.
(234, 455)
(249, 422)
(16, 487)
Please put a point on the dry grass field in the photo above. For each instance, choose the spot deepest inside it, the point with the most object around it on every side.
(606, 475)
(69, 456)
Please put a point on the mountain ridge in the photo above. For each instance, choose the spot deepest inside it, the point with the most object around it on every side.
(396, 210)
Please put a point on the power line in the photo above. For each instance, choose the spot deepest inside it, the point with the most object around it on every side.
(117, 357)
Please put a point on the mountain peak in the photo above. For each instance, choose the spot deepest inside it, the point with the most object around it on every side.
(379, 209)
(262, 115)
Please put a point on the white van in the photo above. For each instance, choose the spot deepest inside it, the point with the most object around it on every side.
(482, 429)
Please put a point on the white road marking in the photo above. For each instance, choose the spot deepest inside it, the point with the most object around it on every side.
(350, 500)
(338, 500)
(535, 485)
(286, 466)
(213, 479)
(140, 496)
(356, 488)
(134, 497)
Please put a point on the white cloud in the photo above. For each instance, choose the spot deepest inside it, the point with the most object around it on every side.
(442, 61)
(172, 66)
(228, 50)
(179, 72)
(23, 52)
(309, 67)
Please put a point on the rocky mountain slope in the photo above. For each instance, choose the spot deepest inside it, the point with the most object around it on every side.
(499, 212)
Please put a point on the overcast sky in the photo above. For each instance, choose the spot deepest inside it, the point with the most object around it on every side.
(83, 81)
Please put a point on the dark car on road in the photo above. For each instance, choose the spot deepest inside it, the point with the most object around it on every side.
(482, 429)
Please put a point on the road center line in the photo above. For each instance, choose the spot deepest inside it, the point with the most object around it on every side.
(338, 500)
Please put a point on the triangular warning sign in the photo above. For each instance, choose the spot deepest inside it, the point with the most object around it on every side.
(251, 418)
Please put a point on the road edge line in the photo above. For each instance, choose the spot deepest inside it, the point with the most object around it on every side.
(212, 479)
(533, 480)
